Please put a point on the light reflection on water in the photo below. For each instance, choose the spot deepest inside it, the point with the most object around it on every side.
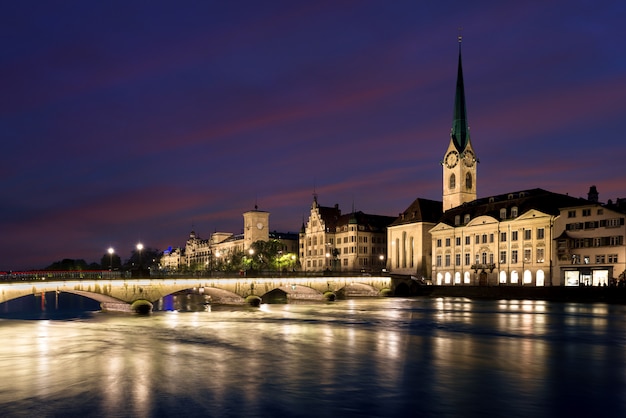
(371, 357)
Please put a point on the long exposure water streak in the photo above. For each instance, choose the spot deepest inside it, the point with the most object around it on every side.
(364, 357)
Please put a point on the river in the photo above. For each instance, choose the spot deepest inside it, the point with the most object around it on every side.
(382, 357)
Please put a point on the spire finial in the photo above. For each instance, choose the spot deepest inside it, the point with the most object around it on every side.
(460, 36)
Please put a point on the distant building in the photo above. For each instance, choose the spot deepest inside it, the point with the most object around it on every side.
(210, 254)
(330, 241)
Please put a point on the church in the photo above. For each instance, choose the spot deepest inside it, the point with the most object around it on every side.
(529, 237)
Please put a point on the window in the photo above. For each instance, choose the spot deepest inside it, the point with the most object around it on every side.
(452, 181)
(503, 213)
(571, 213)
(527, 255)
(540, 255)
(458, 241)
(613, 258)
(528, 233)
(503, 257)
(490, 237)
(466, 219)
(540, 233)
(586, 212)
(468, 181)
(447, 242)
(467, 259)
(513, 235)
(438, 242)
(514, 256)
(514, 212)
(484, 238)
(503, 236)
(612, 223)
(490, 258)
(483, 258)
(457, 220)
(600, 259)
(467, 240)
(457, 259)
(447, 260)
(438, 261)
(477, 239)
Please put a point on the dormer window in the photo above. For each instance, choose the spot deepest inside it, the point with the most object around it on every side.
(503, 213)
(514, 212)
(466, 219)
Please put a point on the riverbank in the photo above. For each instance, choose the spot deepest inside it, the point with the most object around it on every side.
(556, 293)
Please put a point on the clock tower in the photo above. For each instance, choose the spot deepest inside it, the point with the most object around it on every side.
(255, 227)
(459, 162)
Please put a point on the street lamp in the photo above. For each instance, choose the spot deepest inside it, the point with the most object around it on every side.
(139, 248)
(111, 251)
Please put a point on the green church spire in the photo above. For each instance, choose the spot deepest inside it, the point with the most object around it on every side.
(460, 130)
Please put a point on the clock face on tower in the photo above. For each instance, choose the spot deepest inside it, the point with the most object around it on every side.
(468, 158)
(259, 225)
(451, 159)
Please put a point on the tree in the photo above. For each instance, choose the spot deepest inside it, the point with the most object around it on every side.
(68, 264)
(146, 258)
(265, 254)
(111, 261)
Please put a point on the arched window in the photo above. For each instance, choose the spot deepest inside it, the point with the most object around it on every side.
(528, 277)
(540, 278)
(468, 181)
(457, 277)
(397, 253)
(439, 278)
(466, 277)
(452, 181)
(503, 277)
(403, 256)
(447, 278)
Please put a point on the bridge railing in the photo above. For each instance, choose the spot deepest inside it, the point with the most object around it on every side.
(36, 275)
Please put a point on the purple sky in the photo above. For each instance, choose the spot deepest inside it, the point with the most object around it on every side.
(127, 121)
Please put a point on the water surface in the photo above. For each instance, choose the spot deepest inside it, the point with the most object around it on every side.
(387, 357)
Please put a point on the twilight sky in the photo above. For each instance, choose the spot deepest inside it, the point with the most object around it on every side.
(127, 121)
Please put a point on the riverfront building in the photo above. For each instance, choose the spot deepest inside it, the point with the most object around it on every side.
(218, 250)
(330, 241)
(524, 238)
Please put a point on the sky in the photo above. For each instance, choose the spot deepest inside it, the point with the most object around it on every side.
(140, 121)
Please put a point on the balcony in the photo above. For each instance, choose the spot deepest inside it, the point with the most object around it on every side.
(483, 267)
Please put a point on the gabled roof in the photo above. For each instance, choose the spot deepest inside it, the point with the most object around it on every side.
(421, 210)
(330, 215)
(525, 200)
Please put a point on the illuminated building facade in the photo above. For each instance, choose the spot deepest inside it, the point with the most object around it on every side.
(330, 241)
(211, 254)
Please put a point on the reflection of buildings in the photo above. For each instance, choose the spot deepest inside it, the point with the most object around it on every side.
(336, 242)
(222, 247)
(529, 238)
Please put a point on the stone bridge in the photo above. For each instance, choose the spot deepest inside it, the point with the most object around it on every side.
(138, 294)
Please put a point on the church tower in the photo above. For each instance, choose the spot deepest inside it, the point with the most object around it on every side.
(459, 162)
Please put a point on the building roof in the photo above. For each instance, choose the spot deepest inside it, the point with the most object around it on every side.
(371, 223)
(421, 210)
(460, 129)
(525, 200)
